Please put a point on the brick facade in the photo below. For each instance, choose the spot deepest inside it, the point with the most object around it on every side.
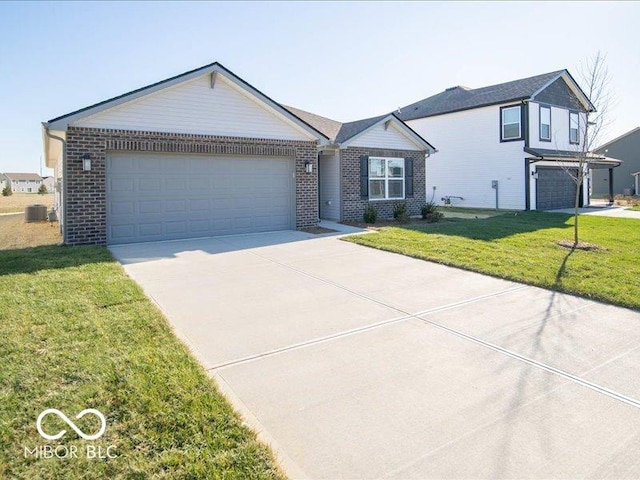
(353, 205)
(86, 207)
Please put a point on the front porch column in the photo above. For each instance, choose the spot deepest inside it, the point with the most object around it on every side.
(611, 185)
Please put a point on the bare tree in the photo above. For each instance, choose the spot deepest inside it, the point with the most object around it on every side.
(595, 81)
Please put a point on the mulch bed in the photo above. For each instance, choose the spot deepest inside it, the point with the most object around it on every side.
(317, 230)
(580, 246)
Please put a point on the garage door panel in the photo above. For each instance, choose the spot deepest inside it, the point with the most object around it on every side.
(120, 184)
(174, 164)
(152, 185)
(175, 184)
(199, 226)
(199, 183)
(176, 227)
(150, 206)
(199, 205)
(160, 197)
(173, 206)
(122, 208)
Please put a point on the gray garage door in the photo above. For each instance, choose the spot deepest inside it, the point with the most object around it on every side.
(555, 188)
(154, 197)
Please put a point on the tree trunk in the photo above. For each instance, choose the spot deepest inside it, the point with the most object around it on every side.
(579, 181)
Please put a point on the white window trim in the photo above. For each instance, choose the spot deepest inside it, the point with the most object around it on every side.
(386, 179)
(577, 129)
(544, 107)
(519, 122)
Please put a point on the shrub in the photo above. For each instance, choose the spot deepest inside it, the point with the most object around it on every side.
(6, 191)
(431, 214)
(400, 213)
(43, 189)
(370, 214)
(427, 209)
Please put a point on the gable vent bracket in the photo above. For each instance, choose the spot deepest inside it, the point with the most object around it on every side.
(386, 124)
(214, 75)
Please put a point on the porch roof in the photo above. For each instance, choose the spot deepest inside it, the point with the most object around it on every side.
(594, 160)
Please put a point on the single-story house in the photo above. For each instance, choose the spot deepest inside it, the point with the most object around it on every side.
(626, 147)
(205, 153)
(22, 182)
(378, 161)
(514, 145)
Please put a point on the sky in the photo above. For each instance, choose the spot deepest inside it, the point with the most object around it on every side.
(342, 60)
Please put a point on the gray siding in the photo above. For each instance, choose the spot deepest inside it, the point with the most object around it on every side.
(559, 94)
(626, 149)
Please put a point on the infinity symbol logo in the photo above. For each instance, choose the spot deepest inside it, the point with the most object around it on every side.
(58, 435)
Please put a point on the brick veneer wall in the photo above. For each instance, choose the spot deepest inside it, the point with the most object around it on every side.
(86, 207)
(353, 205)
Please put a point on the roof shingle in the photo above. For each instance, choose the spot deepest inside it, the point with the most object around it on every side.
(23, 176)
(463, 98)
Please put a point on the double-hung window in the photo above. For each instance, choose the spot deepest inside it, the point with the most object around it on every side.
(511, 127)
(545, 123)
(386, 178)
(574, 128)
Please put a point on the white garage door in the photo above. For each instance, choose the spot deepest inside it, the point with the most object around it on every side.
(153, 197)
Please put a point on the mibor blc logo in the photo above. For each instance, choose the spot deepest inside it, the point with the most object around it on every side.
(60, 434)
(71, 451)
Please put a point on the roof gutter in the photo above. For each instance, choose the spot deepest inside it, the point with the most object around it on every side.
(45, 128)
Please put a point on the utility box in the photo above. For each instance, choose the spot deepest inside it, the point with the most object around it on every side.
(35, 213)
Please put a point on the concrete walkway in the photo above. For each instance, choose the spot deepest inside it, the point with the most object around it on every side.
(602, 211)
(357, 363)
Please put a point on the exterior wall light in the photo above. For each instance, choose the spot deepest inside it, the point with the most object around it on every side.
(86, 162)
(308, 166)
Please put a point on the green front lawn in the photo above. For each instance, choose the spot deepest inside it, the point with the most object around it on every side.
(77, 333)
(522, 247)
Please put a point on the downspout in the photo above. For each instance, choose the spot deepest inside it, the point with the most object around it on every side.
(64, 180)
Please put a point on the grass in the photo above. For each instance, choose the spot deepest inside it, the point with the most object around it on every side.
(17, 201)
(76, 333)
(522, 247)
(635, 209)
(15, 233)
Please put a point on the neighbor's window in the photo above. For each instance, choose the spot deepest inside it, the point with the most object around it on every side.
(511, 128)
(574, 126)
(545, 123)
(386, 178)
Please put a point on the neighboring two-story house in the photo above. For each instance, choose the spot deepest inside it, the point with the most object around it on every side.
(22, 182)
(626, 147)
(509, 146)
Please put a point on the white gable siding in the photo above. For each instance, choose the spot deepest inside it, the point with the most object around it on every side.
(194, 107)
(470, 155)
(559, 129)
(329, 166)
(378, 137)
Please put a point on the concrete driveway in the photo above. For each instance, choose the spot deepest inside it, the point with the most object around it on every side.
(358, 363)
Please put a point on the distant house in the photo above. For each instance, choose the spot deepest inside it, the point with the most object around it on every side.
(627, 148)
(23, 182)
(50, 183)
(508, 146)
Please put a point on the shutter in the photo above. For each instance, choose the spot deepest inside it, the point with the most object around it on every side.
(408, 177)
(364, 176)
